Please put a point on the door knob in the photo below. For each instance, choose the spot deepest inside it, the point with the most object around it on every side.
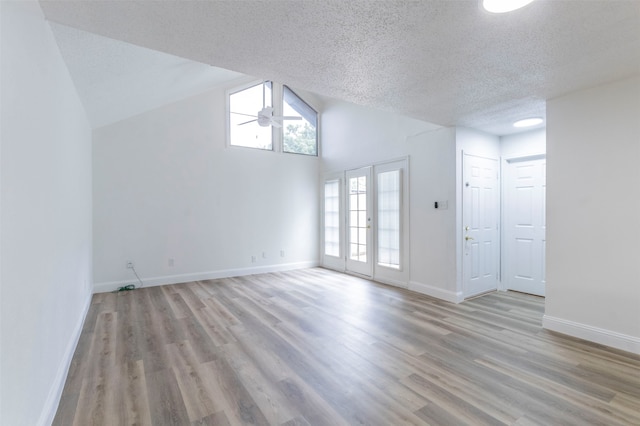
(467, 238)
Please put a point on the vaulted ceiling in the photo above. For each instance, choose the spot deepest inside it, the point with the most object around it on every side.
(441, 61)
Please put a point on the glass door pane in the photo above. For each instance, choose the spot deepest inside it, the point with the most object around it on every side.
(359, 204)
(332, 218)
(388, 228)
(358, 212)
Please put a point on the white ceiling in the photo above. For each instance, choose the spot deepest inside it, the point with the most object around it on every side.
(443, 61)
(116, 80)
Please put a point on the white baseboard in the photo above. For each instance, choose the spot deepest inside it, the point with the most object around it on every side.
(333, 268)
(438, 293)
(593, 334)
(395, 283)
(105, 287)
(55, 392)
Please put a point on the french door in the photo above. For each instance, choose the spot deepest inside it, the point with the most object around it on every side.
(371, 237)
(359, 205)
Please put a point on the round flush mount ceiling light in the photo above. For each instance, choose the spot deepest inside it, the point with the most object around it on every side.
(528, 122)
(503, 6)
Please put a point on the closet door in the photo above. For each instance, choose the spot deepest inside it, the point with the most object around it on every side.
(525, 227)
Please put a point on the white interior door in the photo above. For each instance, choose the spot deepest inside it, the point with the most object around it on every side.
(359, 221)
(480, 221)
(525, 225)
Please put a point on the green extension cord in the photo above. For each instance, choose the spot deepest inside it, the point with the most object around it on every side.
(126, 288)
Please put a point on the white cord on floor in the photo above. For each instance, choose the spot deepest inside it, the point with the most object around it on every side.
(133, 268)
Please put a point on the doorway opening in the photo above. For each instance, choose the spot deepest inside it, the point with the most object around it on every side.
(501, 215)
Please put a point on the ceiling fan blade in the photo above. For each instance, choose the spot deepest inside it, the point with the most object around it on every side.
(247, 122)
(275, 123)
(240, 113)
(286, 117)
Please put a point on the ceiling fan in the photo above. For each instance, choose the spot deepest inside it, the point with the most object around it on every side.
(265, 116)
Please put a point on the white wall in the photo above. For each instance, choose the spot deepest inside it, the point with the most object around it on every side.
(524, 144)
(355, 136)
(475, 142)
(46, 217)
(593, 211)
(166, 186)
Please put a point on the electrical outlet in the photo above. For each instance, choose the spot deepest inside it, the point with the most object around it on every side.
(253, 259)
(264, 254)
(170, 262)
(281, 253)
(130, 265)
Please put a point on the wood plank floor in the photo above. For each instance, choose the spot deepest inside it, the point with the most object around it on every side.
(314, 347)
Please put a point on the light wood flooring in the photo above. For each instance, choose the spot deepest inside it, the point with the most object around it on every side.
(314, 347)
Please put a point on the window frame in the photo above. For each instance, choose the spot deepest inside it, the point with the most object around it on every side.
(239, 88)
(277, 102)
(317, 129)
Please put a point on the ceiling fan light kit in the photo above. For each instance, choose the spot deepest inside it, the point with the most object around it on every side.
(265, 118)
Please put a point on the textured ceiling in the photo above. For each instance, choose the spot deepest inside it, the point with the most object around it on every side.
(446, 62)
